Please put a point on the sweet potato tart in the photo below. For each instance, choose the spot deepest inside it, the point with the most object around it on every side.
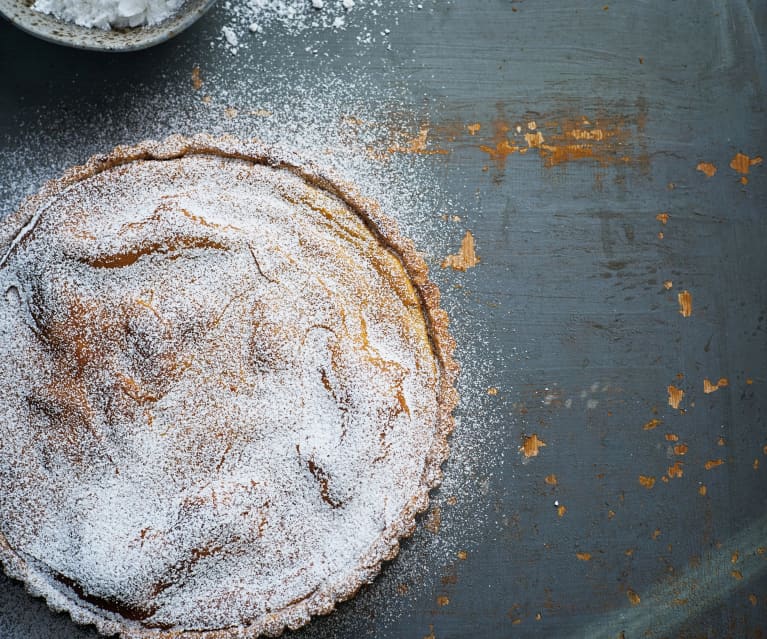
(227, 389)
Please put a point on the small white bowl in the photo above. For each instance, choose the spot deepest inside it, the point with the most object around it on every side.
(47, 27)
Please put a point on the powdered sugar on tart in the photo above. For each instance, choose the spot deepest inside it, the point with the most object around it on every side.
(226, 393)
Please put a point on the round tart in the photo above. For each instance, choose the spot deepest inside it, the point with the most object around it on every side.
(227, 390)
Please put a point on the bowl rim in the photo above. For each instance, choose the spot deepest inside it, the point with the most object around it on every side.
(84, 37)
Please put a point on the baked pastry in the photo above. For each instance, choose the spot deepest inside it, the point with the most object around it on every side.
(227, 390)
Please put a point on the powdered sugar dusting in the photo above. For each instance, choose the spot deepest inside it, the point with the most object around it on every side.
(314, 113)
(244, 439)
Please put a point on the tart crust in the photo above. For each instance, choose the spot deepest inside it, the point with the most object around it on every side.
(65, 594)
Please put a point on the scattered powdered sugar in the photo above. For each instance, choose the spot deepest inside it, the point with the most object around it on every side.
(301, 17)
(106, 14)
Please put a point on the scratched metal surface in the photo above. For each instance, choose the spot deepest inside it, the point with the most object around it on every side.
(579, 334)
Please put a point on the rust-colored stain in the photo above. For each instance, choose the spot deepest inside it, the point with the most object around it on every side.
(551, 480)
(561, 510)
(462, 555)
(671, 437)
(742, 163)
(713, 463)
(605, 140)
(442, 600)
(675, 471)
(629, 552)
(473, 128)
(646, 481)
(196, 79)
(466, 256)
(534, 140)
(583, 556)
(685, 303)
(653, 423)
(667, 284)
(492, 390)
(709, 387)
(531, 445)
(681, 449)
(734, 557)
(743, 180)
(418, 144)
(752, 599)
(633, 597)
(749, 381)
(675, 396)
(736, 574)
(662, 218)
(706, 168)
(702, 490)
(655, 534)
(501, 147)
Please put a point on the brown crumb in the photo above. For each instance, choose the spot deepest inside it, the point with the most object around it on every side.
(583, 556)
(736, 574)
(675, 471)
(675, 396)
(702, 490)
(551, 480)
(685, 303)
(196, 79)
(741, 163)
(667, 284)
(670, 437)
(653, 423)
(561, 510)
(473, 128)
(492, 390)
(442, 600)
(707, 168)
(633, 597)
(466, 256)
(681, 449)
(662, 218)
(646, 481)
(531, 445)
(752, 599)
(713, 463)
(709, 387)
(462, 555)
(433, 520)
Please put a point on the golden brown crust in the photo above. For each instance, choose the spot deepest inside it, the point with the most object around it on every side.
(295, 614)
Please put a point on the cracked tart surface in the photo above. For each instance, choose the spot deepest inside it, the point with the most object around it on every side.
(228, 391)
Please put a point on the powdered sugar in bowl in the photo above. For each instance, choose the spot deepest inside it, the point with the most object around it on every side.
(104, 25)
